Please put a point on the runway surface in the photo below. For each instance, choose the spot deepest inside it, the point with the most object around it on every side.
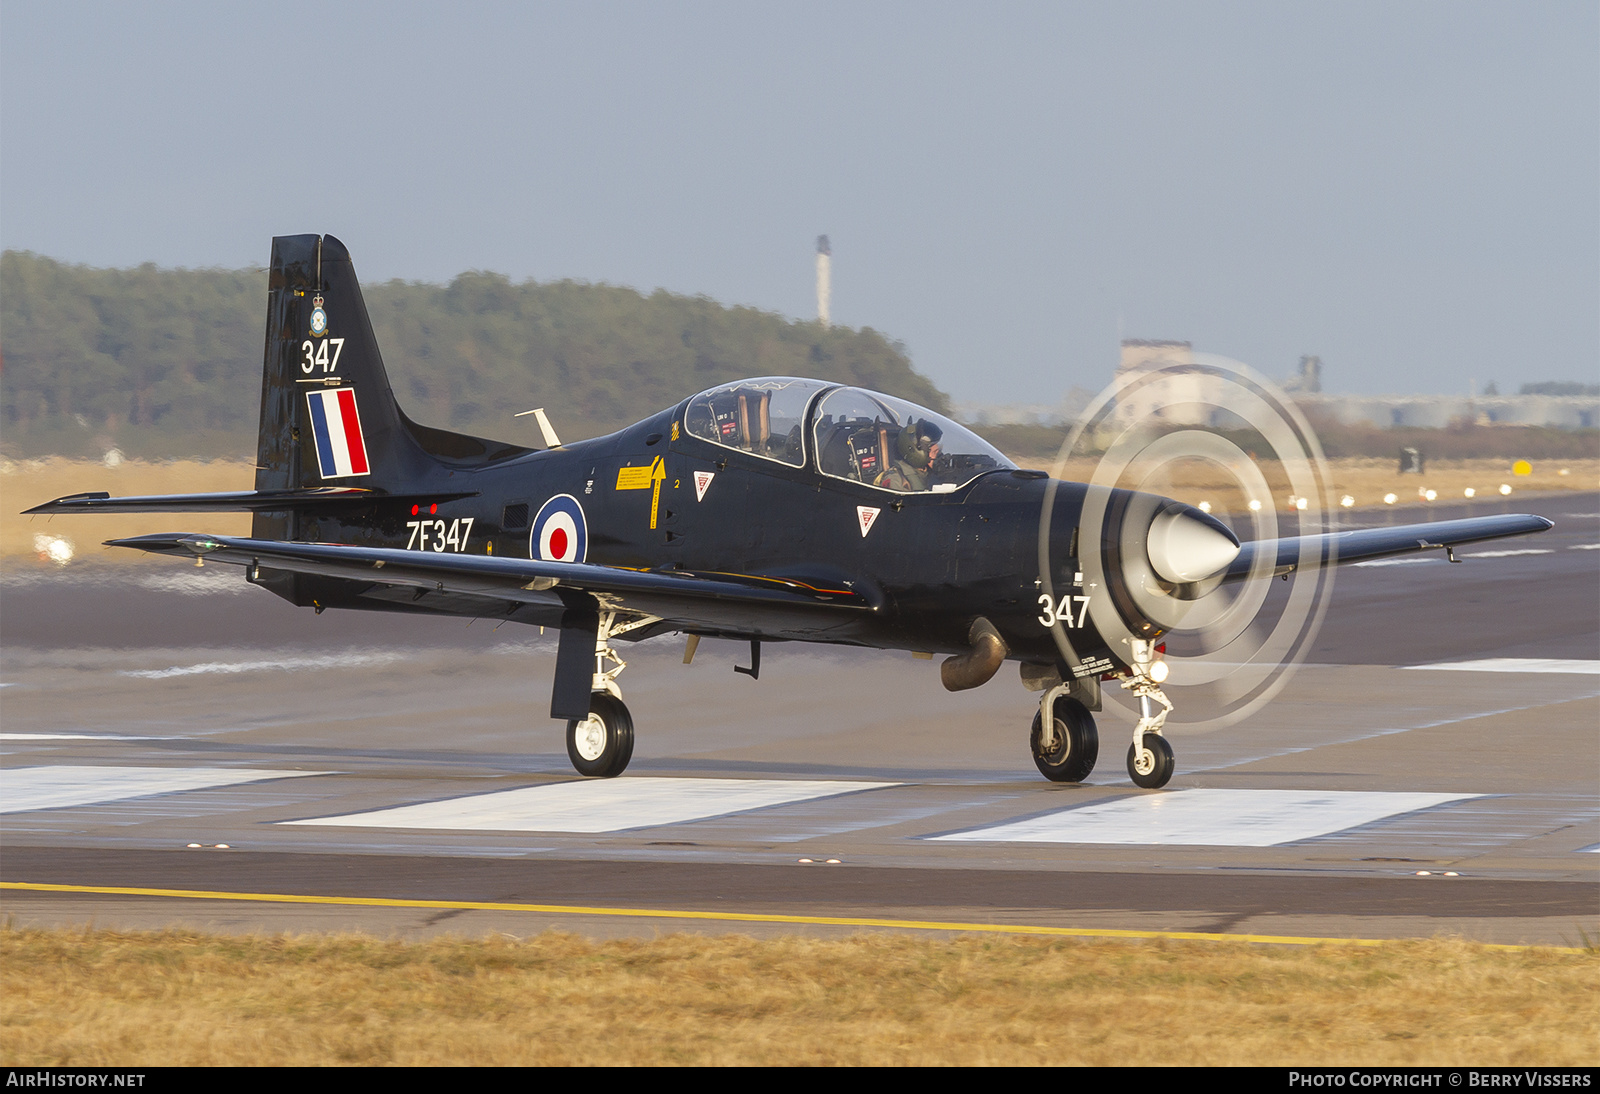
(1433, 769)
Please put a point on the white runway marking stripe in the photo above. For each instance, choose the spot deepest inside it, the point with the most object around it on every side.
(1218, 818)
(24, 789)
(1394, 561)
(1508, 554)
(1584, 547)
(1515, 664)
(598, 805)
(71, 737)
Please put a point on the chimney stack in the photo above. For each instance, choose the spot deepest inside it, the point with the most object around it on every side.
(824, 279)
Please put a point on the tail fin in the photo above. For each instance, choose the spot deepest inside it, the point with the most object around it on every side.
(328, 414)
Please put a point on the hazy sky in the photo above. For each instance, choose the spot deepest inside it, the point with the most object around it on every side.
(1410, 190)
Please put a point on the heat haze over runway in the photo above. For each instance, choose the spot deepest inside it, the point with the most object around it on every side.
(1433, 768)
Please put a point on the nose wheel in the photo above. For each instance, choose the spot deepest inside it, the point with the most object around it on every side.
(601, 745)
(1150, 761)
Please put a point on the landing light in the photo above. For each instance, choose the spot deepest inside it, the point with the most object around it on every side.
(1159, 671)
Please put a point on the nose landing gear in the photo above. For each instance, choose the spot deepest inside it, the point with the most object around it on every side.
(1150, 760)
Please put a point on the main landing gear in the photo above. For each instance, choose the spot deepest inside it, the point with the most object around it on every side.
(1066, 747)
(601, 745)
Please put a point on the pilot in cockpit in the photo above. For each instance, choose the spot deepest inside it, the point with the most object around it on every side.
(916, 448)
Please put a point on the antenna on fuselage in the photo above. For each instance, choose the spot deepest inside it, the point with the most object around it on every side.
(550, 438)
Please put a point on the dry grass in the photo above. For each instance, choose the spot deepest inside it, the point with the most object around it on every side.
(102, 998)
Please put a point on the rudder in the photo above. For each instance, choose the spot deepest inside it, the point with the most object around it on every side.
(328, 416)
(328, 413)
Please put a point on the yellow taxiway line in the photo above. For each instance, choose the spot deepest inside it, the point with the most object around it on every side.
(734, 917)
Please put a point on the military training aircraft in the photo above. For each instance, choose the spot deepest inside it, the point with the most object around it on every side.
(771, 509)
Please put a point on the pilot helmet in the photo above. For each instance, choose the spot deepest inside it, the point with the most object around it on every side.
(916, 441)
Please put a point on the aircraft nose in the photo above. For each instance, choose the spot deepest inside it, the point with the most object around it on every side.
(1186, 545)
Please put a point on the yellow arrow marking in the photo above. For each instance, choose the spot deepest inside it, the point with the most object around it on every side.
(658, 471)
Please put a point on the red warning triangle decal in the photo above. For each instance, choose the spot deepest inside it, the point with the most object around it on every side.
(867, 515)
(702, 482)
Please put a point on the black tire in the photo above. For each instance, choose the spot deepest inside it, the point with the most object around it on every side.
(1077, 743)
(1161, 763)
(601, 745)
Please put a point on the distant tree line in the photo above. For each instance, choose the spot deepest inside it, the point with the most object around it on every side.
(155, 359)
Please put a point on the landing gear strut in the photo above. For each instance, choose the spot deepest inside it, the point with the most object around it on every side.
(601, 745)
(1150, 761)
(1066, 747)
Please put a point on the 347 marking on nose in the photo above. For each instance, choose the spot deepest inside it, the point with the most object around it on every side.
(1062, 612)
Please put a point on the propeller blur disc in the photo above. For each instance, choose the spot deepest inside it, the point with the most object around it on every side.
(1207, 447)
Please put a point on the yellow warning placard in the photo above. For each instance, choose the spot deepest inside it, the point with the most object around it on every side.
(640, 478)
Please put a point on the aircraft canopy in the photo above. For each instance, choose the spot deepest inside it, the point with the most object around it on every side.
(853, 433)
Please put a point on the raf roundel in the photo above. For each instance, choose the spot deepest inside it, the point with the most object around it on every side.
(560, 534)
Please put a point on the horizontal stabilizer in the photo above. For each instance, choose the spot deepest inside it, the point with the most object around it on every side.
(242, 501)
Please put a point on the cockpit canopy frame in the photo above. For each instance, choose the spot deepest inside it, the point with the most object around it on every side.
(852, 433)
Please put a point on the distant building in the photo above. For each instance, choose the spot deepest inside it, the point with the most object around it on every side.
(1438, 411)
(1193, 398)
(1309, 380)
(1183, 397)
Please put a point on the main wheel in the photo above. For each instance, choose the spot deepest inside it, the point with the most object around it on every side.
(602, 744)
(1153, 766)
(1077, 743)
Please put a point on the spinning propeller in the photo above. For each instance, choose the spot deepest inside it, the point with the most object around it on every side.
(1168, 589)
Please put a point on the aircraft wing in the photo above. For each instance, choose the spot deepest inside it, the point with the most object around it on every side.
(1360, 544)
(696, 600)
